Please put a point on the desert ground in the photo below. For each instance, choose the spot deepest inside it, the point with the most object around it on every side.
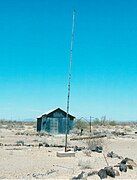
(22, 158)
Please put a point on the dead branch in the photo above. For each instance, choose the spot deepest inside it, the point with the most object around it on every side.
(87, 137)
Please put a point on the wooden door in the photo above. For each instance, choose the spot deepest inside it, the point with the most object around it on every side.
(54, 125)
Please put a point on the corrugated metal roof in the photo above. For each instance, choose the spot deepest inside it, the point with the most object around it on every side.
(50, 111)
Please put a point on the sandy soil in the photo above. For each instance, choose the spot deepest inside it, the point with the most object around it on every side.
(24, 162)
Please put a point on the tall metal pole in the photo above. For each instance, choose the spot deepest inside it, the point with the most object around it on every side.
(69, 77)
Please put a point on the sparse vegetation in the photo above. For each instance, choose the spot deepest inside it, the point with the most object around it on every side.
(92, 143)
(85, 164)
(8, 124)
(19, 145)
(81, 124)
(87, 153)
(104, 122)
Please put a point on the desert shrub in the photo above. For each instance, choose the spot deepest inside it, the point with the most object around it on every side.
(101, 121)
(81, 124)
(96, 121)
(85, 164)
(87, 153)
(127, 129)
(104, 122)
(92, 143)
(112, 123)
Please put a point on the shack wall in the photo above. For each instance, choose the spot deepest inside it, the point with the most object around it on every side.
(39, 124)
(54, 123)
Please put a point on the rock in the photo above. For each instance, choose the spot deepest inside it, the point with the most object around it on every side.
(50, 171)
(99, 149)
(129, 166)
(123, 167)
(40, 145)
(116, 172)
(92, 173)
(93, 148)
(28, 145)
(113, 155)
(124, 161)
(76, 148)
(1, 144)
(110, 154)
(129, 162)
(46, 145)
(110, 171)
(102, 174)
(80, 176)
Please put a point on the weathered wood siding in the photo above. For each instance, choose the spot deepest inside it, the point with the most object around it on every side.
(54, 123)
(39, 124)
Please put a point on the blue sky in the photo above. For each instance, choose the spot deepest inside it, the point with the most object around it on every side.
(34, 58)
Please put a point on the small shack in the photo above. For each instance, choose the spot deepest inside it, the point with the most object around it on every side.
(55, 122)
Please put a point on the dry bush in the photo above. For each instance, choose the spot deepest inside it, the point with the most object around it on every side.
(92, 143)
(80, 124)
(87, 153)
(127, 129)
(104, 122)
(85, 164)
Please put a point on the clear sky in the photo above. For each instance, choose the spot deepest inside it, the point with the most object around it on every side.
(34, 58)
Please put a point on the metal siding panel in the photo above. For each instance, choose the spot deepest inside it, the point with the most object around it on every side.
(46, 123)
(54, 125)
(39, 124)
